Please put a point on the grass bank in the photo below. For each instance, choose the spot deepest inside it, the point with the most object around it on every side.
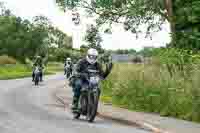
(13, 71)
(150, 88)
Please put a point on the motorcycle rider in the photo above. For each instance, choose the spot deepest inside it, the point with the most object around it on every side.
(38, 62)
(89, 62)
(68, 61)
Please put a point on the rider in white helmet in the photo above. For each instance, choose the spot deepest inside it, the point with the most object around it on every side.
(92, 55)
(81, 70)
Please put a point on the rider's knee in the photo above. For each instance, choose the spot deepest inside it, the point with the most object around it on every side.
(78, 83)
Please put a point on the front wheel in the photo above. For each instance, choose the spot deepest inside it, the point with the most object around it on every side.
(93, 100)
(77, 115)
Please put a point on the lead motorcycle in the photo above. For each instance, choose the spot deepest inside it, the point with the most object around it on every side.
(89, 98)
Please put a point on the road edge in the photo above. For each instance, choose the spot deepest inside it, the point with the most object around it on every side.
(140, 124)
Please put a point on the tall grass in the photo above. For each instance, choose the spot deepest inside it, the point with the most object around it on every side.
(151, 88)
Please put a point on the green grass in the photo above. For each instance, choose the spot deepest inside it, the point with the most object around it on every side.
(13, 71)
(149, 88)
(55, 67)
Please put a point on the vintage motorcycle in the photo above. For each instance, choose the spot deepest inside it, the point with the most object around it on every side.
(89, 98)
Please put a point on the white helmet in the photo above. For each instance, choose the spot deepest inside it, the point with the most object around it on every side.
(92, 55)
(68, 59)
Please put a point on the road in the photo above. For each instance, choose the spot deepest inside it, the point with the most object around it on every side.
(25, 108)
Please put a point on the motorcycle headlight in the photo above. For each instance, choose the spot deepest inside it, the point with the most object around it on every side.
(94, 80)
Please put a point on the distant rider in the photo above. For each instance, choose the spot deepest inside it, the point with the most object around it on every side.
(38, 62)
(68, 63)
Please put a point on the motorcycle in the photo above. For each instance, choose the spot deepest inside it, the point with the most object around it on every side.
(67, 71)
(89, 98)
(37, 75)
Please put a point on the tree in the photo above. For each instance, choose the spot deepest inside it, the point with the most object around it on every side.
(146, 52)
(132, 13)
(84, 48)
(181, 14)
(93, 38)
(23, 39)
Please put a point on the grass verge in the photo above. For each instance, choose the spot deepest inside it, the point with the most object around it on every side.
(13, 71)
(150, 88)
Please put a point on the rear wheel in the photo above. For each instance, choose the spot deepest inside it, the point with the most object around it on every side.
(36, 79)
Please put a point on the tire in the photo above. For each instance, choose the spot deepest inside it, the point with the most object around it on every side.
(36, 79)
(77, 115)
(93, 99)
(84, 104)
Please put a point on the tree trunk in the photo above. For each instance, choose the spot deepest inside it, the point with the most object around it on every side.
(169, 8)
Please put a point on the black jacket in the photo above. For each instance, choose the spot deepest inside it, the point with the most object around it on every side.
(83, 65)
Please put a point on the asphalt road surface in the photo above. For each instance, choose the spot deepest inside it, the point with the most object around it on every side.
(25, 108)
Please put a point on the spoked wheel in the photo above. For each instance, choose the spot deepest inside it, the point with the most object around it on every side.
(36, 82)
(84, 104)
(36, 79)
(93, 99)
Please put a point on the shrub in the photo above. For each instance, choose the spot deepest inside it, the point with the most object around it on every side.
(4, 59)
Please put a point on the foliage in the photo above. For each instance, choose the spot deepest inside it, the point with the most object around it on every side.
(93, 38)
(60, 54)
(124, 51)
(183, 16)
(54, 67)
(186, 17)
(150, 88)
(137, 59)
(178, 60)
(4, 59)
(147, 51)
(131, 13)
(84, 48)
(23, 39)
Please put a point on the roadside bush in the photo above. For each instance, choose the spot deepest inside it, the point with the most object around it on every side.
(137, 59)
(4, 59)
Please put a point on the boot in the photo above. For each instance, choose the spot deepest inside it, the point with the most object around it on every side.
(33, 76)
(75, 104)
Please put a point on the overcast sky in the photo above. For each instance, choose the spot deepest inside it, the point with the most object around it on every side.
(118, 40)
